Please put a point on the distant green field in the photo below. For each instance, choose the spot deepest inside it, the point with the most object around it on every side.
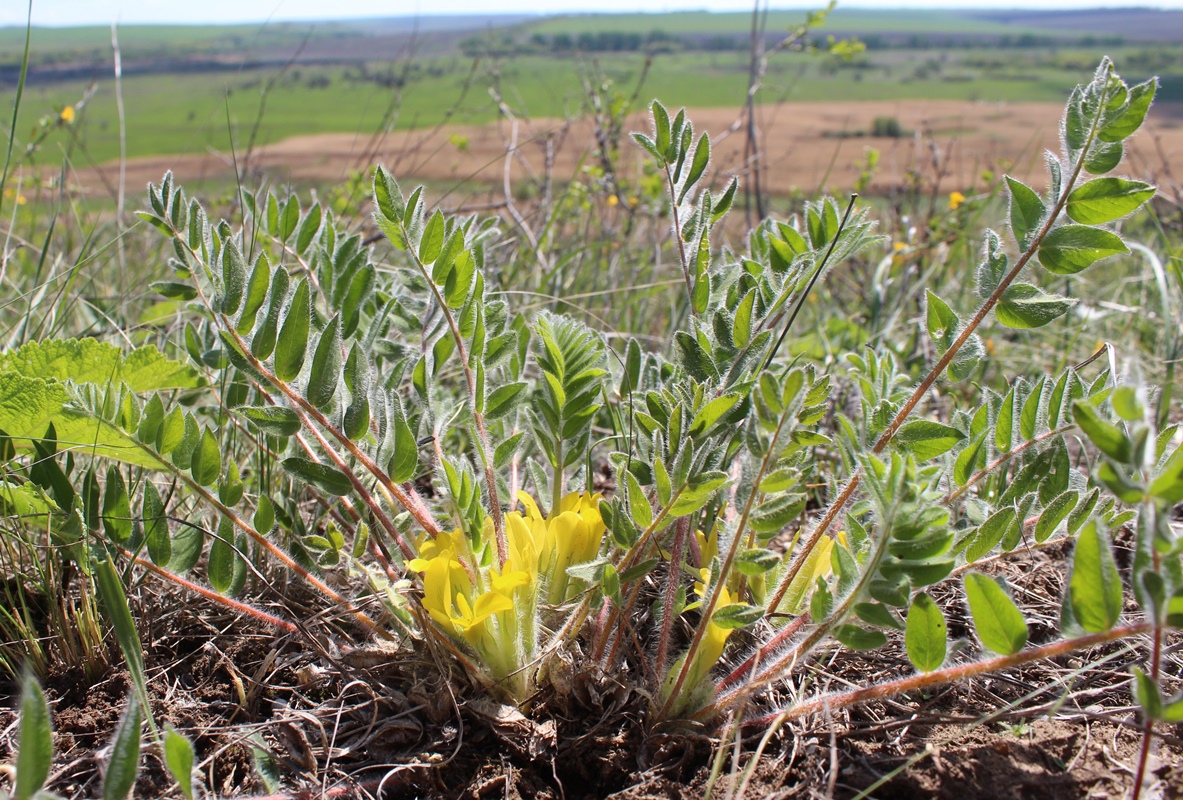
(906, 21)
(193, 112)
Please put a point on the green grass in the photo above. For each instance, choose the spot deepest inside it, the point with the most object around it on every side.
(843, 21)
(188, 112)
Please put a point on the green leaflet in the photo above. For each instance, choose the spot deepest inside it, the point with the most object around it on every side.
(927, 439)
(124, 762)
(323, 477)
(292, 343)
(1104, 200)
(178, 757)
(997, 620)
(34, 754)
(91, 361)
(925, 634)
(1068, 249)
(1027, 211)
(1026, 306)
(1095, 587)
(326, 366)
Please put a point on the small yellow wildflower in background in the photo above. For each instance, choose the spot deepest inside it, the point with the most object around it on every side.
(613, 200)
(955, 200)
(67, 115)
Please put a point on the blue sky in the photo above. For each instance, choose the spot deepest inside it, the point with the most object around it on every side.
(103, 12)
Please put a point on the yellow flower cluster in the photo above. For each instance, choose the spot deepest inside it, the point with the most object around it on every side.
(496, 610)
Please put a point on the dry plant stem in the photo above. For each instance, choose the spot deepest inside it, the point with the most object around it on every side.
(308, 410)
(478, 418)
(920, 391)
(1155, 667)
(709, 607)
(210, 594)
(949, 674)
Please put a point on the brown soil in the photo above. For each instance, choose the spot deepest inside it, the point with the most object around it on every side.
(809, 146)
(383, 721)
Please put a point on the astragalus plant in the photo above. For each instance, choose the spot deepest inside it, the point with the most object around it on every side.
(387, 426)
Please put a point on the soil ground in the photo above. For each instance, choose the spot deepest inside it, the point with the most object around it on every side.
(808, 146)
(385, 721)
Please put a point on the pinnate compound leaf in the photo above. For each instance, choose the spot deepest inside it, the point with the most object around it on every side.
(928, 439)
(322, 476)
(34, 753)
(925, 636)
(1104, 200)
(124, 762)
(1068, 249)
(1026, 306)
(999, 623)
(1095, 586)
(292, 344)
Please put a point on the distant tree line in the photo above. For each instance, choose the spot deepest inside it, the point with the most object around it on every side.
(509, 43)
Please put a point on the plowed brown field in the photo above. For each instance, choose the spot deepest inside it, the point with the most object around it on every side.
(809, 146)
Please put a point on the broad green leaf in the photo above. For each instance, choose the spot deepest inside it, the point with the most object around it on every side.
(388, 197)
(124, 762)
(91, 361)
(230, 488)
(928, 439)
(1025, 306)
(1027, 211)
(34, 752)
(264, 519)
(504, 399)
(702, 156)
(712, 412)
(1104, 200)
(926, 636)
(1103, 157)
(698, 493)
(405, 461)
(233, 277)
(638, 504)
(736, 615)
(999, 623)
(292, 343)
(220, 568)
(877, 614)
(1054, 513)
(1068, 249)
(358, 376)
(661, 127)
(432, 242)
(206, 464)
(1127, 405)
(263, 342)
(1095, 586)
(1131, 118)
(156, 534)
(857, 637)
(309, 227)
(326, 366)
(328, 479)
(272, 420)
(940, 320)
(178, 757)
(1108, 438)
(289, 219)
(116, 507)
(963, 467)
(1168, 483)
(757, 561)
(256, 294)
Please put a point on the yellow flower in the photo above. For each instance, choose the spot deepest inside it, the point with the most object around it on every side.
(898, 246)
(67, 115)
(546, 547)
(613, 200)
(955, 200)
